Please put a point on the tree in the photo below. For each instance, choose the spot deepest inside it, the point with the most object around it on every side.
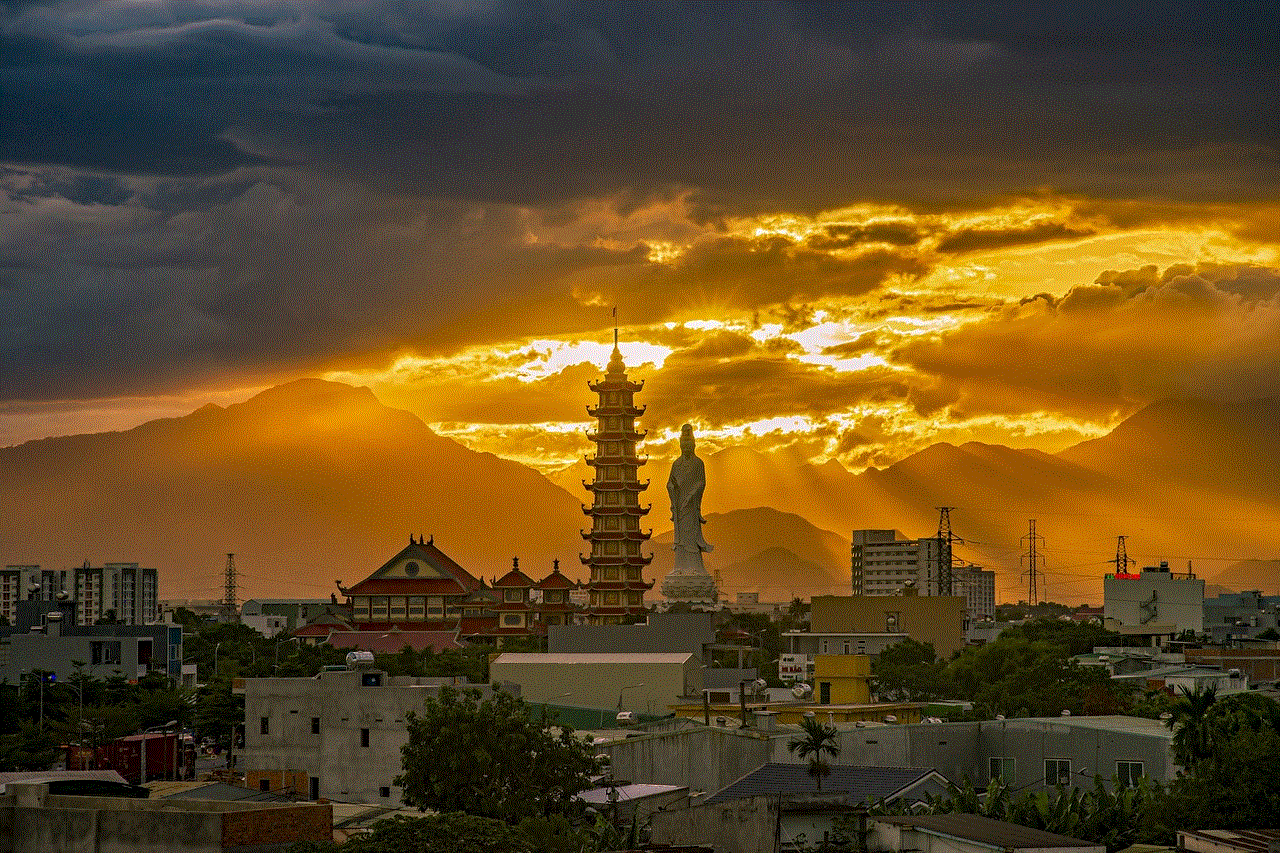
(909, 670)
(815, 741)
(491, 758)
(1191, 725)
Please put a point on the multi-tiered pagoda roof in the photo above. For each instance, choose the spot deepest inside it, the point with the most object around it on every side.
(616, 588)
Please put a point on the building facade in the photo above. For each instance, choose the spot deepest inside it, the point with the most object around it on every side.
(123, 592)
(336, 736)
(937, 619)
(885, 561)
(1154, 601)
(616, 586)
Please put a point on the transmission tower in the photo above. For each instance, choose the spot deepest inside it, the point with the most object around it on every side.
(945, 540)
(1034, 560)
(1123, 561)
(229, 609)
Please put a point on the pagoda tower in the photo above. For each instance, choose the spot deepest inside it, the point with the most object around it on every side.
(617, 587)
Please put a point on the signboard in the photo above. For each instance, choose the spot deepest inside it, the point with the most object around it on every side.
(793, 667)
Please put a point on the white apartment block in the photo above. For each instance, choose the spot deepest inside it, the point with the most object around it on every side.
(124, 589)
(18, 583)
(884, 561)
(1154, 601)
(978, 586)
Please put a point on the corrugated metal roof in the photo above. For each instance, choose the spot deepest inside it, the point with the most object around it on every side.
(625, 793)
(857, 783)
(567, 658)
(985, 830)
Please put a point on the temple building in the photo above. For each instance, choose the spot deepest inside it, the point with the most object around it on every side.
(421, 589)
(616, 587)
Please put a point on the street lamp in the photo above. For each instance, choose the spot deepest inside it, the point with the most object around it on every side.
(216, 646)
(281, 643)
(628, 687)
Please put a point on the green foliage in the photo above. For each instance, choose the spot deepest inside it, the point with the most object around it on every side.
(1192, 738)
(1104, 814)
(26, 747)
(470, 663)
(1234, 787)
(815, 741)
(491, 758)
(441, 833)
(909, 671)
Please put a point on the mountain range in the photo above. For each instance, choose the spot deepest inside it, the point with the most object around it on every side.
(316, 481)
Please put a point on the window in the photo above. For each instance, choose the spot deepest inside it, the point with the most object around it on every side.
(511, 619)
(264, 725)
(315, 728)
(1057, 771)
(364, 737)
(264, 784)
(1128, 773)
(313, 788)
(513, 595)
(384, 791)
(1000, 769)
(610, 598)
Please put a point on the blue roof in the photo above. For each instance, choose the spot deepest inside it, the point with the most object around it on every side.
(858, 783)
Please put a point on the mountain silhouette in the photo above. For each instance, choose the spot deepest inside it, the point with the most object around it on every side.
(307, 483)
(315, 481)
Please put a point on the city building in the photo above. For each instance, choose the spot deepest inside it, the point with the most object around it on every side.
(1154, 602)
(121, 592)
(650, 683)
(842, 679)
(778, 807)
(959, 832)
(335, 736)
(271, 616)
(1027, 753)
(616, 586)
(692, 633)
(422, 589)
(1259, 665)
(885, 561)
(33, 819)
(938, 619)
(29, 582)
(978, 586)
(46, 638)
(1241, 615)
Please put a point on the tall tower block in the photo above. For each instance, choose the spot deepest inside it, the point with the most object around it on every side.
(617, 586)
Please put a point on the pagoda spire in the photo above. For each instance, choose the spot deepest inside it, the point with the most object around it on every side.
(616, 587)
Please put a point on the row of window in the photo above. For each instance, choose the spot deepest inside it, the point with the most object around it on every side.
(1057, 771)
(613, 573)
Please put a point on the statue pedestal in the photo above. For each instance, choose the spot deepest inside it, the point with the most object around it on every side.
(697, 588)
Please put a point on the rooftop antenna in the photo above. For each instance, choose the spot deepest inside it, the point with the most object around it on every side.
(615, 327)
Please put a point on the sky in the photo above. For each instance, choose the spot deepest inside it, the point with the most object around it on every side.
(847, 231)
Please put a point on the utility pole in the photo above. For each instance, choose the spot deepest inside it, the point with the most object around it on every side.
(1123, 561)
(229, 610)
(945, 540)
(1033, 562)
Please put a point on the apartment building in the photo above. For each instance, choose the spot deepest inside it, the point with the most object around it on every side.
(125, 592)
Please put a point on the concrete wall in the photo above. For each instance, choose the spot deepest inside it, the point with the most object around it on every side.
(935, 619)
(662, 632)
(643, 683)
(32, 821)
(752, 824)
(1155, 598)
(701, 759)
(290, 752)
(847, 679)
(709, 759)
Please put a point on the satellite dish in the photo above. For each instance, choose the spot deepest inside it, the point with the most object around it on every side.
(802, 691)
(999, 716)
(1066, 712)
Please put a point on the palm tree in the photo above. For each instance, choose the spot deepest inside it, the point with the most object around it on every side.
(817, 740)
(1189, 719)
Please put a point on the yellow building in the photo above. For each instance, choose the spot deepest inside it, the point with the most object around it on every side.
(842, 679)
(936, 619)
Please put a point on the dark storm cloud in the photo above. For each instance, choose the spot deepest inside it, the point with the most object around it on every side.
(200, 189)
(984, 239)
